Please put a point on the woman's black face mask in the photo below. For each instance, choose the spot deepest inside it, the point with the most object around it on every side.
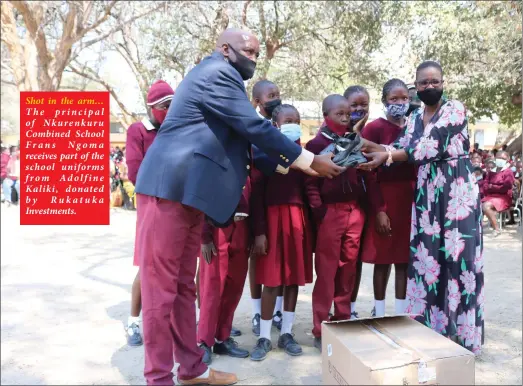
(430, 96)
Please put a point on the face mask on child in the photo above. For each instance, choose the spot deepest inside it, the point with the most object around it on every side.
(397, 111)
(513, 168)
(159, 115)
(500, 163)
(291, 131)
(356, 116)
(479, 178)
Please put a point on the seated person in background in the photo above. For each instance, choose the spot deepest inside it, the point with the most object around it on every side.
(478, 173)
(12, 179)
(498, 190)
(127, 185)
(476, 148)
(4, 160)
(518, 174)
(476, 160)
(490, 165)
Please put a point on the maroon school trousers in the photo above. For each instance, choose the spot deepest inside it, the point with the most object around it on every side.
(222, 281)
(337, 249)
(168, 242)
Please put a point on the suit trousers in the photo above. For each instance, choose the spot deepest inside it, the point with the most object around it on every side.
(168, 241)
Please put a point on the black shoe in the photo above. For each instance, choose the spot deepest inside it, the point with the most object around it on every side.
(291, 347)
(317, 343)
(256, 326)
(230, 347)
(262, 348)
(235, 332)
(207, 354)
(134, 338)
(279, 323)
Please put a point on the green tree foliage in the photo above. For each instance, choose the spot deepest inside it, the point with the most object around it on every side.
(309, 48)
(479, 47)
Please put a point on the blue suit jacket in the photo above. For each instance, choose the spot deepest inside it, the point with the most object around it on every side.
(200, 156)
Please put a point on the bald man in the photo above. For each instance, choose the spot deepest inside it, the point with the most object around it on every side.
(196, 169)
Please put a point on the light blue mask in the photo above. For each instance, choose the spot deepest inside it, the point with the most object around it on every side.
(291, 131)
(500, 163)
(513, 168)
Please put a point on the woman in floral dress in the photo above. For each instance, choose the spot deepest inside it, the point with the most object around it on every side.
(445, 277)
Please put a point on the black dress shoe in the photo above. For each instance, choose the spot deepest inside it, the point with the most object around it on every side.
(262, 348)
(207, 354)
(291, 347)
(317, 343)
(230, 347)
(235, 332)
(256, 324)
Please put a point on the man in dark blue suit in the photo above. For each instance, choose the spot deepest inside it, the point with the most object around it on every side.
(198, 165)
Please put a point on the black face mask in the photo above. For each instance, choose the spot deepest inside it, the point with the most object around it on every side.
(270, 106)
(243, 65)
(412, 107)
(430, 96)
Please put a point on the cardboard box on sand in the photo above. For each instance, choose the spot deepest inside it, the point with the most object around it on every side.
(392, 351)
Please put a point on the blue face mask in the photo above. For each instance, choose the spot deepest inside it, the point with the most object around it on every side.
(356, 116)
(397, 111)
(291, 131)
(513, 168)
(479, 178)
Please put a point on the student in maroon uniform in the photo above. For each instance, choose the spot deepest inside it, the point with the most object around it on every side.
(336, 206)
(359, 101)
(497, 190)
(390, 190)
(476, 160)
(140, 136)
(282, 241)
(266, 97)
(224, 261)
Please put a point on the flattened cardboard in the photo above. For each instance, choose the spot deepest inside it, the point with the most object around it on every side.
(393, 350)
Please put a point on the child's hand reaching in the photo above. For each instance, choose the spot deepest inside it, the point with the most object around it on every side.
(260, 245)
(360, 124)
(207, 251)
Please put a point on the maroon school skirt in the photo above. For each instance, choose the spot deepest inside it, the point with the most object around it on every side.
(501, 202)
(393, 249)
(289, 256)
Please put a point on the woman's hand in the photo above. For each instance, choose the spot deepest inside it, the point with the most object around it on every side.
(260, 245)
(383, 223)
(370, 147)
(207, 251)
(375, 160)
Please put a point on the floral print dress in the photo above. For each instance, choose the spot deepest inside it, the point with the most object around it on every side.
(445, 278)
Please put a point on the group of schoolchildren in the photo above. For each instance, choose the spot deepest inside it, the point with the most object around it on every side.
(285, 216)
(499, 179)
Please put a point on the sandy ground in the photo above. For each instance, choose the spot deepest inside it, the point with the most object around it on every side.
(66, 295)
